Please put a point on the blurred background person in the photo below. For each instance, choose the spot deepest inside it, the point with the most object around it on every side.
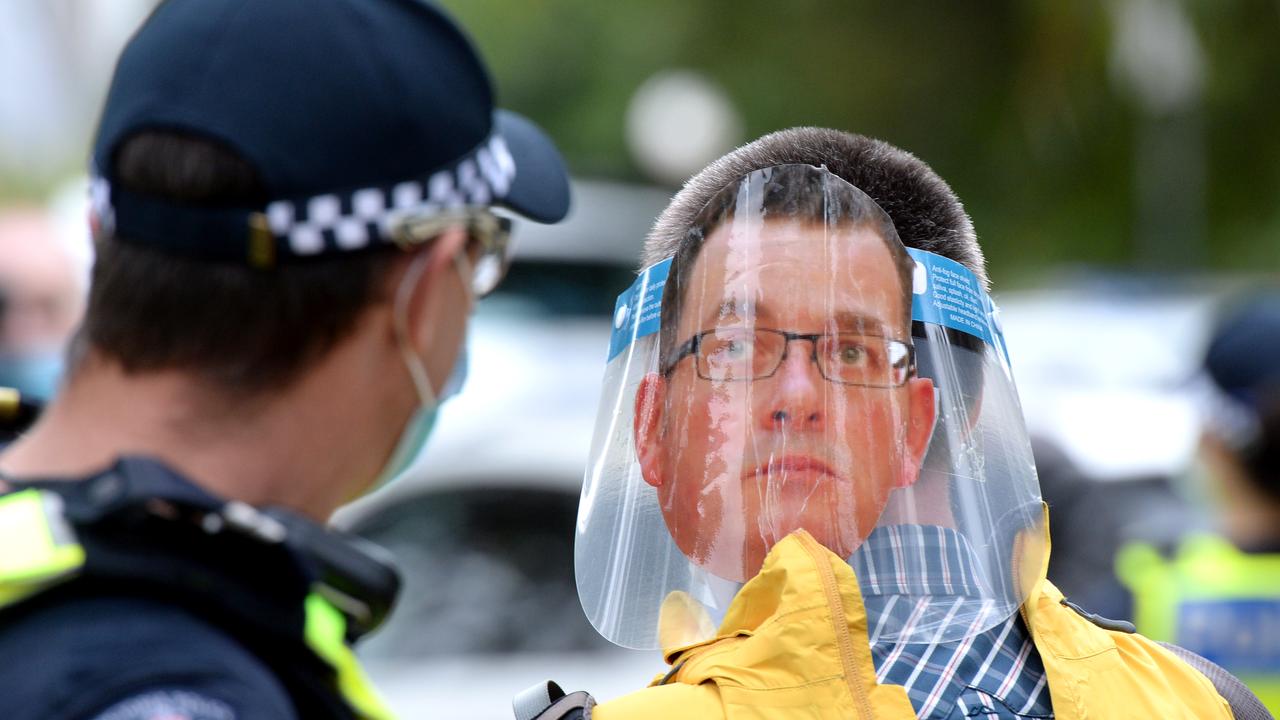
(1094, 516)
(1218, 593)
(41, 300)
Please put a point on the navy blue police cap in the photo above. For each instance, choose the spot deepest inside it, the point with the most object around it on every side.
(1242, 355)
(353, 112)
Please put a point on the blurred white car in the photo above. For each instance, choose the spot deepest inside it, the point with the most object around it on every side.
(1105, 367)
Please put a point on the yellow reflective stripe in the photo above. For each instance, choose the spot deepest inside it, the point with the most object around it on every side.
(1267, 688)
(1211, 567)
(326, 635)
(1154, 586)
(1207, 567)
(36, 547)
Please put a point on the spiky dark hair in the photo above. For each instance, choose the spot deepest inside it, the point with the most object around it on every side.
(925, 211)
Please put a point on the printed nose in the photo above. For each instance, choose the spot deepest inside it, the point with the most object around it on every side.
(784, 417)
(797, 400)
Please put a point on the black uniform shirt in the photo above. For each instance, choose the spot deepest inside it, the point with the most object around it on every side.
(168, 619)
(126, 658)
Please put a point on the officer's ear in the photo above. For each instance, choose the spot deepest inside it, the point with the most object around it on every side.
(650, 401)
(427, 285)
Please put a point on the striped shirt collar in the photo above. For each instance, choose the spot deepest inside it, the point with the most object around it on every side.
(919, 560)
(913, 575)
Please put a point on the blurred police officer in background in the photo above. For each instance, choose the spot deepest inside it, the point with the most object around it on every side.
(292, 205)
(41, 299)
(1219, 594)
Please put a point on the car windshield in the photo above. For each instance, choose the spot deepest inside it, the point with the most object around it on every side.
(558, 288)
(486, 569)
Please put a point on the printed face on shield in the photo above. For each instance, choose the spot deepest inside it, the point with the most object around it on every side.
(786, 397)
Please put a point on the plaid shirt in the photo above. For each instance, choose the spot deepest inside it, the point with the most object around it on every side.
(993, 674)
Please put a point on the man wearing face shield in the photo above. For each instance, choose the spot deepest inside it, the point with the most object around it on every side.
(810, 485)
(294, 211)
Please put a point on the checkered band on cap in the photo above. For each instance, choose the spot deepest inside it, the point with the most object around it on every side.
(353, 221)
(307, 227)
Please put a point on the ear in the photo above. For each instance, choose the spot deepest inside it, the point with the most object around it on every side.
(427, 270)
(923, 411)
(650, 401)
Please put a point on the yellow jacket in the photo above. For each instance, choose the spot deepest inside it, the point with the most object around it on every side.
(794, 645)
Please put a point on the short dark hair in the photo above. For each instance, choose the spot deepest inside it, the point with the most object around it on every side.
(244, 330)
(925, 212)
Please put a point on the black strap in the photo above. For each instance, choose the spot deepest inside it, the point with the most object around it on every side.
(671, 673)
(137, 489)
(546, 701)
(1123, 626)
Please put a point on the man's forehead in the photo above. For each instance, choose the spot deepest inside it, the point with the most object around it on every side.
(764, 269)
(754, 246)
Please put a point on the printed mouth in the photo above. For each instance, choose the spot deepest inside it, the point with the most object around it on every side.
(790, 467)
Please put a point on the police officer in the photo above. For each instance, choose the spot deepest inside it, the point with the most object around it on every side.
(293, 205)
(1219, 595)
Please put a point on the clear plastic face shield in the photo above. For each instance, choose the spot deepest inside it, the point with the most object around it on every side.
(795, 367)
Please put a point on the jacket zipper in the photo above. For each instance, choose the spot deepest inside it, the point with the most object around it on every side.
(861, 702)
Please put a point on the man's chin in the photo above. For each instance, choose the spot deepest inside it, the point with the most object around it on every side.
(838, 540)
(739, 561)
(740, 565)
(735, 565)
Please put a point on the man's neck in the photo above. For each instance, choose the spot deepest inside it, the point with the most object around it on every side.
(299, 448)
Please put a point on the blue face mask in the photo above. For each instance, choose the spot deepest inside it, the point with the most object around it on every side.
(34, 375)
(416, 432)
(414, 437)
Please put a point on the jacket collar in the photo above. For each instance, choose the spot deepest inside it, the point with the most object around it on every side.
(797, 629)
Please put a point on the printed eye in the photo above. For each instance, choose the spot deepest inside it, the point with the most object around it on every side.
(729, 344)
(852, 354)
(727, 348)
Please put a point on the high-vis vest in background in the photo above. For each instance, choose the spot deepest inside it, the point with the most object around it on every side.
(1215, 601)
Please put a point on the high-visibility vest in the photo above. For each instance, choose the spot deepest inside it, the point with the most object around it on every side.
(1215, 601)
(40, 550)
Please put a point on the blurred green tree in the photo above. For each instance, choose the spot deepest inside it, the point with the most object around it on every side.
(1020, 104)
